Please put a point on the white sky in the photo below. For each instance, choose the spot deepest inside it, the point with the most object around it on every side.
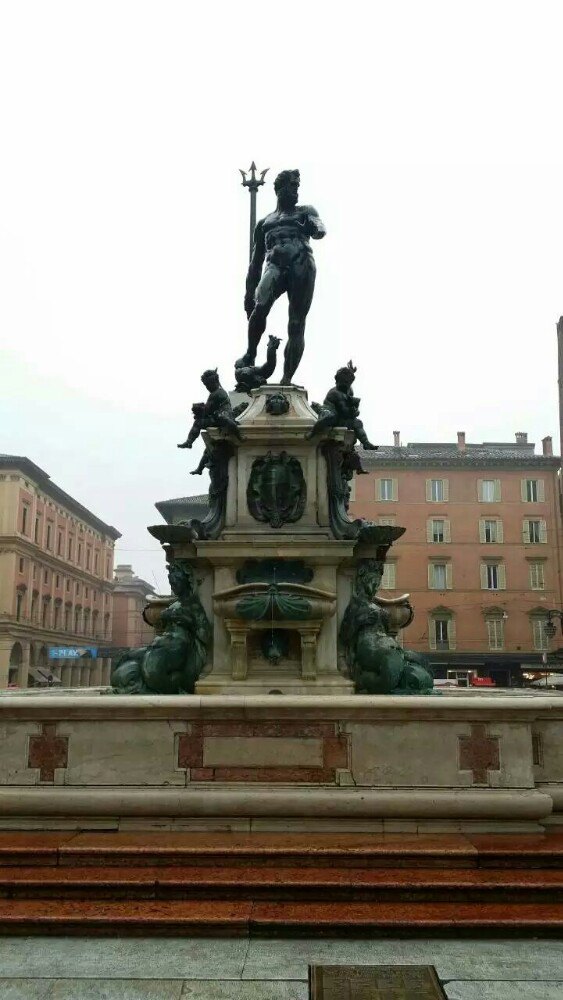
(429, 137)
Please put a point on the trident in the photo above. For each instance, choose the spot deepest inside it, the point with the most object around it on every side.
(253, 183)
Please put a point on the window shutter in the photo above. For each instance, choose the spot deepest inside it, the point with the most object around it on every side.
(481, 530)
(541, 490)
(497, 490)
(428, 489)
(500, 531)
(501, 576)
(431, 634)
(526, 531)
(378, 490)
(431, 576)
(543, 531)
(479, 489)
(523, 493)
(446, 489)
(429, 536)
(447, 530)
(448, 575)
(483, 572)
(451, 633)
(395, 489)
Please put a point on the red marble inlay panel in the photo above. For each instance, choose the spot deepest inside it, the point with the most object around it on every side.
(48, 751)
(335, 752)
(479, 753)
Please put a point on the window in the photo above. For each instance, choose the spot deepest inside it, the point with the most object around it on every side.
(86, 591)
(57, 580)
(491, 530)
(46, 576)
(387, 489)
(34, 608)
(441, 633)
(44, 611)
(48, 542)
(439, 576)
(70, 541)
(97, 560)
(533, 490)
(34, 572)
(537, 578)
(441, 630)
(67, 619)
(88, 557)
(57, 616)
(437, 490)
(77, 619)
(21, 565)
(36, 529)
(534, 531)
(438, 534)
(495, 632)
(19, 604)
(388, 581)
(60, 543)
(107, 569)
(68, 585)
(493, 576)
(488, 490)
(79, 556)
(77, 589)
(106, 626)
(539, 635)
(25, 514)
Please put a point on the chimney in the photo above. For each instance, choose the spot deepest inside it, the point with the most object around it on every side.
(396, 439)
(547, 445)
(461, 440)
(521, 437)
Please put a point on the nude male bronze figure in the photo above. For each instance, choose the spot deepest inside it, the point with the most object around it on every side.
(281, 240)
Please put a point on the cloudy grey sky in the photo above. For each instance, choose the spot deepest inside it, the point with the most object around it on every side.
(429, 138)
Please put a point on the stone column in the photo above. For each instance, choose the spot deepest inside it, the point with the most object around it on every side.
(239, 652)
(309, 651)
(66, 675)
(5, 650)
(23, 672)
(96, 672)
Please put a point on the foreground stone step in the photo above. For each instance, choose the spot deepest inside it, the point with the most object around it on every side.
(244, 850)
(218, 917)
(290, 884)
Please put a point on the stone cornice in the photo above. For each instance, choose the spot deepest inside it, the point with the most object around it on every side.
(371, 461)
(40, 478)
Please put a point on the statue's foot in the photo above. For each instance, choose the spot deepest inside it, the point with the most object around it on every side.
(368, 446)
(246, 361)
(185, 444)
(286, 380)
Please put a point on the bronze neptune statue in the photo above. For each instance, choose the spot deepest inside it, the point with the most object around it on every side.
(282, 241)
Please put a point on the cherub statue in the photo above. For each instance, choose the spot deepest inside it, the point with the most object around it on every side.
(341, 408)
(216, 412)
(252, 377)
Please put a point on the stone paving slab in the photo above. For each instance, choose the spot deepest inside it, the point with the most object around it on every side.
(123, 958)
(250, 990)
(512, 990)
(468, 960)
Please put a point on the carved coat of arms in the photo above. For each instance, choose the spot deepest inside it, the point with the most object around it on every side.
(277, 492)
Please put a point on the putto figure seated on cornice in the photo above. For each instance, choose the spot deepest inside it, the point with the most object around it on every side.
(341, 408)
(215, 412)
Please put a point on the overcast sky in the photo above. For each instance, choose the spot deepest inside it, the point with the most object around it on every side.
(429, 137)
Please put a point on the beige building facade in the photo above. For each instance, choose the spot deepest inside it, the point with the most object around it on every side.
(56, 582)
(130, 595)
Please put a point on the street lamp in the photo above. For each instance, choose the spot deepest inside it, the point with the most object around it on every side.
(550, 630)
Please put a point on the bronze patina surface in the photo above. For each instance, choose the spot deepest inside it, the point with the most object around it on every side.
(374, 982)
